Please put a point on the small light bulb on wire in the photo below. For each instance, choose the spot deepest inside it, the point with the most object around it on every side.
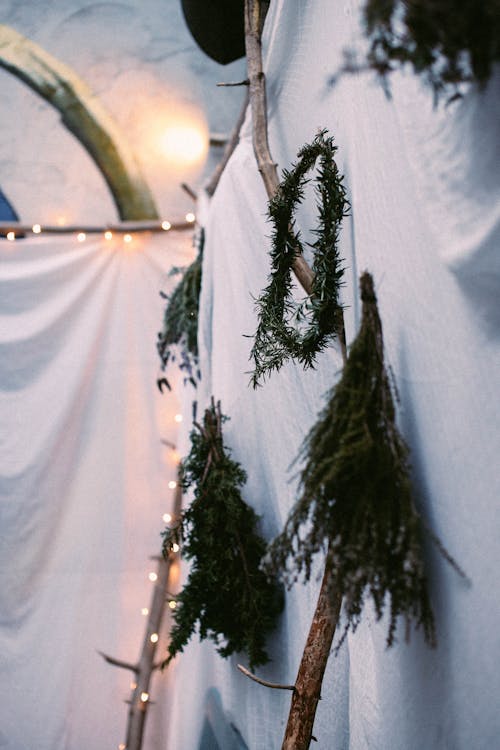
(81, 236)
(144, 697)
(36, 228)
(178, 418)
(108, 235)
(172, 484)
(166, 225)
(11, 236)
(153, 637)
(145, 611)
(172, 604)
(153, 576)
(175, 547)
(190, 217)
(167, 517)
(127, 238)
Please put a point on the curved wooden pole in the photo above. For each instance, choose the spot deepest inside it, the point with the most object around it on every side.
(82, 113)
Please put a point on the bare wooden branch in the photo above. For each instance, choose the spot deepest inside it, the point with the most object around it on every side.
(124, 227)
(230, 146)
(266, 683)
(298, 733)
(189, 190)
(267, 167)
(118, 662)
(246, 82)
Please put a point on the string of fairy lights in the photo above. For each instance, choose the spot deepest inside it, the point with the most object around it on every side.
(12, 231)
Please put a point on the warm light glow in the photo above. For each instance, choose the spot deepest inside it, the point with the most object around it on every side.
(144, 697)
(184, 144)
(36, 228)
(61, 221)
(11, 236)
(178, 417)
(172, 485)
(121, 746)
(172, 604)
(127, 238)
(145, 611)
(153, 637)
(166, 225)
(108, 235)
(190, 217)
(167, 517)
(133, 685)
(153, 576)
(81, 236)
(175, 547)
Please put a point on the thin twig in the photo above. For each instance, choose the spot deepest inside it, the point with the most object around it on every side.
(266, 683)
(246, 82)
(119, 662)
(189, 190)
(230, 146)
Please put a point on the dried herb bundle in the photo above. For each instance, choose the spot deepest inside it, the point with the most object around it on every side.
(180, 322)
(356, 500)
(235, 603)
(287, 329)
(448, 41)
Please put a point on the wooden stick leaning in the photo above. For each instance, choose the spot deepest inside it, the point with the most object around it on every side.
(298, 733)
(146, 665)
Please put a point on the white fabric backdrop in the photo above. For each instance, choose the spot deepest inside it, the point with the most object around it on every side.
(84, 482)
(425, 191)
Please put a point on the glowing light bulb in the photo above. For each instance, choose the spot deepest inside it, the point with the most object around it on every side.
(144, 697)
(121, 746)
(153, 637)
(145, 611)
(81, 236)
(178, 417)
(166, 225)
(184, 145)
(127, 238)
(167, 517)
(172, 604)
(133, 685)
(11, 236)
(153, 576)
(190, 217)
(36, 228)
(175, 547)
(108, 235)
(172, 485)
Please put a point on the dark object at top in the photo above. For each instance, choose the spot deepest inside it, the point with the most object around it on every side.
(217, 27)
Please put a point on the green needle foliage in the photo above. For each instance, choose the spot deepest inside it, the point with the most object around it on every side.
(180, 322)
(287, 330)
(356, 499)
(234, 602)
(448, 41)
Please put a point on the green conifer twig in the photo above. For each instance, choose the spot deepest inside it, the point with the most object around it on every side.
(227, 594)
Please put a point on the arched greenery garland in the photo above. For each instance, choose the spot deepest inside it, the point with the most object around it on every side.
(287, 330)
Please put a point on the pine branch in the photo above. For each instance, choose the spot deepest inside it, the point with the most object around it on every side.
(226, 595)
(299, 331)
(179, 337)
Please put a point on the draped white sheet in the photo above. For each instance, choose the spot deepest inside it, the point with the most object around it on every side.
(425, 191)
(84, 482)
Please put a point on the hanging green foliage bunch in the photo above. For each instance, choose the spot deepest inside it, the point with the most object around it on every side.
(179, 336)
(447, 41)
(227, 594)
(356, 500)
(287, 329)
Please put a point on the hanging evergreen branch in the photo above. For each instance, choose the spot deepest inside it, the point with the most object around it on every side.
(286, 329)
(356, 500)
(232, 600)
(446, 41)
(179, 336)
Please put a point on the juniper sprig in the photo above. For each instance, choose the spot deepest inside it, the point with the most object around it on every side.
(286, 329)
(180, 321)
(356, 499)
(446, 41)
(227, 594)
